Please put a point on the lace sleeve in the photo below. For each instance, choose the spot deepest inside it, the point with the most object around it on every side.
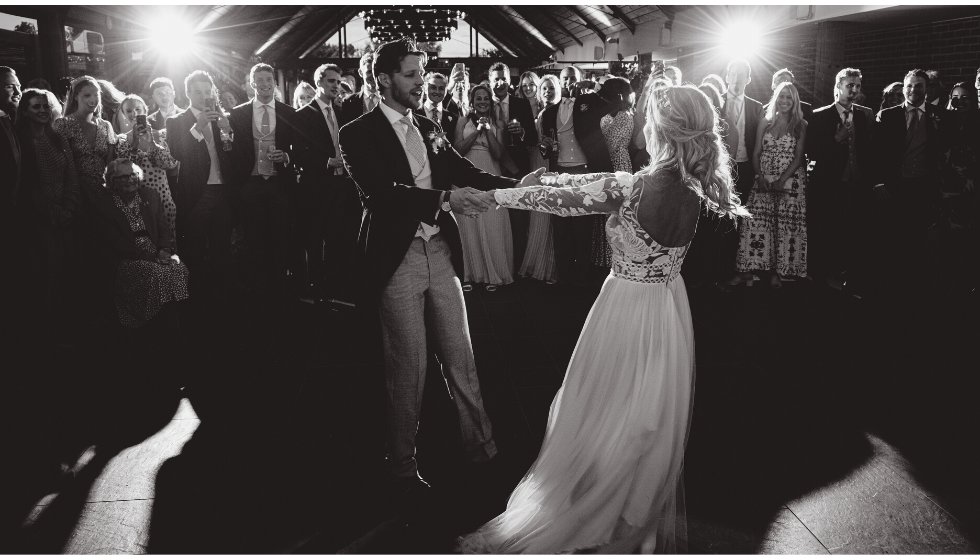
(574, 195)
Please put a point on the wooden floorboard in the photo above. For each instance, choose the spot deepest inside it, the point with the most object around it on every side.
(803, 441)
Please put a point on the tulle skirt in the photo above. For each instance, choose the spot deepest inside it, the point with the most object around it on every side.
(608, 478)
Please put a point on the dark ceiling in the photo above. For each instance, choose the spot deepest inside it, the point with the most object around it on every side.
(294, 32)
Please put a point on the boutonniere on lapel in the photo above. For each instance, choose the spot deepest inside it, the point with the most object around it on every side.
(583, 107)
(438, 141)
(934, 118)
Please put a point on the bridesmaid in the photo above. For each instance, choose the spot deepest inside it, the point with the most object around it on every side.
(773, 240)
(488, 246)
(539, 257)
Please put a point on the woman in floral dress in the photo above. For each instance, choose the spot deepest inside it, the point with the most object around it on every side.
(773, 241)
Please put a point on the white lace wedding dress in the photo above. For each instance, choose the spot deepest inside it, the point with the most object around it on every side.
(608, 478)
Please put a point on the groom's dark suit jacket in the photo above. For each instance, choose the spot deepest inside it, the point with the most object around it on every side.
(393, 205)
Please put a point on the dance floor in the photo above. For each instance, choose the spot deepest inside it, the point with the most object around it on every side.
(822, 425)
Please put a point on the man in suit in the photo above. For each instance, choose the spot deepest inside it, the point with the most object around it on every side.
(434, 106)
(742, 115)
(909, 140)
(838, 141)
(520, 136)
(936, 93)
(365, 100)
(10, 151)
(264, 131)
(581, 149)
(162, 93)
(328, 209)
(411, 254)
(199, 139)
(11, 217)
(786, 75)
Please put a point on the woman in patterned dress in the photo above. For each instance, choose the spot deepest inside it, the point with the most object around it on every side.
(49, 179)
(133, 228)
(488, 245)
(90, 137)
(773, 241)
(539, 256)
(608, 478)
(148, 150)
(617, 128)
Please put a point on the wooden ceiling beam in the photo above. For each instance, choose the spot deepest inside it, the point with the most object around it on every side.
(621, 16)
(588, 23)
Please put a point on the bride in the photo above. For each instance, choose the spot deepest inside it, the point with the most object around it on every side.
(608, 478)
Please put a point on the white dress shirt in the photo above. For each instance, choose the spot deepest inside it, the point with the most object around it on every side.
(421, 172)
(736, 106)
(214, 176)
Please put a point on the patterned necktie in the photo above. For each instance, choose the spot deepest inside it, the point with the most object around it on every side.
(413, 142)
(265, 120)
(332, 125)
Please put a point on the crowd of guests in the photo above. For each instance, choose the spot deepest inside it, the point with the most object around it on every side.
(122, 201)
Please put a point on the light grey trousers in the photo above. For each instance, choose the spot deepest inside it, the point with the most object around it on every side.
(422, 307)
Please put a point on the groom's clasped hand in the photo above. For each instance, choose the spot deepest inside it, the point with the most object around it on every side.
(471, 202)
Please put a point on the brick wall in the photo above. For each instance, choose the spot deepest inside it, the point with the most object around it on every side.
(885, 55)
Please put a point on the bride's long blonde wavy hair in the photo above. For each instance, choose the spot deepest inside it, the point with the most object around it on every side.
(683, 131)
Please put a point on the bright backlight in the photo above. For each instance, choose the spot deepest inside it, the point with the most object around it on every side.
(742, 40)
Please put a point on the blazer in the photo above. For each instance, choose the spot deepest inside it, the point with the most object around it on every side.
(753, 114)
(889, 142)
(10, 165)
(447, 123)
(520, 109)
(351, 108)
(588, 112)
(195, 162)
(830, 157)
(243, 149)
(393, 205)
(156, 120)
(313, 145)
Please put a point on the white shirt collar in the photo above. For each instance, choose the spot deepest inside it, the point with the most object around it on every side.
(841, 109)
(737, 97)
(322, 104)
(393, 115)
(430, 106)
(257, 105)
(921, 106)
(2, 114)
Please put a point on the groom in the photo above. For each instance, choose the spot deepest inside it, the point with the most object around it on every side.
(411, 256)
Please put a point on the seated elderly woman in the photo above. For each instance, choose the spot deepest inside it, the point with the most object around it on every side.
(135, 239)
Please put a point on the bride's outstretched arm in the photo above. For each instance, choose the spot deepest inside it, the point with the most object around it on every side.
(569, 195)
